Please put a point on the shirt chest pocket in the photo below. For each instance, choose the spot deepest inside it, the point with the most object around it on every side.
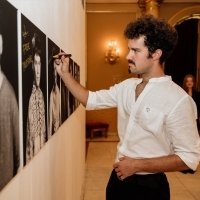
(151, 119)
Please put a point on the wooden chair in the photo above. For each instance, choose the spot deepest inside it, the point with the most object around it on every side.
(97, 126)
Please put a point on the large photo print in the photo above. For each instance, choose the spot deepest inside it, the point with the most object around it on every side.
(33, 88)
(54, 101)
(9, 109)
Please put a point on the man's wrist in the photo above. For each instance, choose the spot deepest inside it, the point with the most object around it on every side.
(136, 164)
(64, 74)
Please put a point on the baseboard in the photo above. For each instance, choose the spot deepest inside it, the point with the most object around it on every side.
(112, 133)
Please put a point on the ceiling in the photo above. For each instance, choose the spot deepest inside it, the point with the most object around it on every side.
(135, 1)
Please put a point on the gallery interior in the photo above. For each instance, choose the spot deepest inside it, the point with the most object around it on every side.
(92, 32)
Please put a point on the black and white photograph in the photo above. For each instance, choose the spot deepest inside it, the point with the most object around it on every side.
(34, 88)
(54, 98)
(76, 71)
(71, 98)
(67, 99)
(83, 3)
(9, 102)
(64, 102)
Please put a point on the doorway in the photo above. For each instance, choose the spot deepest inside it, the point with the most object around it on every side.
(174, 65)
(183, 60)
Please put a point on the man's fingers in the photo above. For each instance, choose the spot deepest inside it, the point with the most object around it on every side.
(61, 53)
(65, 60)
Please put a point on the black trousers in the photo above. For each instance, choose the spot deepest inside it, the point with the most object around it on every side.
(138, 187)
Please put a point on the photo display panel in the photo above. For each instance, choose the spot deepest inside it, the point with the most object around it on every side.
(66, 97)
(34, 88)
(71, 99)
(54, 97)
(64, 101)
(77, 78)
(9, 97)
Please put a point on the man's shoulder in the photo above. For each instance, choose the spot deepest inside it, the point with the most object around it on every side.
(175, 88)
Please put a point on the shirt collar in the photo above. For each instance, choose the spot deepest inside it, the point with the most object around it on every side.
(158, 79)
(161, 79)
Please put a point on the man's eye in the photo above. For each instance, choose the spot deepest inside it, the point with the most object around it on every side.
(135, 50)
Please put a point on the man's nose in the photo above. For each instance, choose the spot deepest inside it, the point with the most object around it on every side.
(127, 57)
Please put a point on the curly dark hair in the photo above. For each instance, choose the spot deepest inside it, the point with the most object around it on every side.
(158, 34)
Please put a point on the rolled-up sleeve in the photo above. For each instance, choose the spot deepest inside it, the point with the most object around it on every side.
(182, 130)
(102, 99)
(91, 102)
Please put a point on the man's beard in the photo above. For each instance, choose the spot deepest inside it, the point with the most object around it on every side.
(132, 62)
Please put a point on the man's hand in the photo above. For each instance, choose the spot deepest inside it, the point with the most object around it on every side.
(128, 166)
(62, 68)
(124, 167)
(62, 65)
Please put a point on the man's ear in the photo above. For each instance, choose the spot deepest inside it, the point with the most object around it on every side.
(157, 54)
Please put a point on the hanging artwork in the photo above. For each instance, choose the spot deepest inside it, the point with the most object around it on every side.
(54, 107)
(64, 101)
(76, 70)
(83, 3)
(34, 87)
(9, 109)
(32, 90)
(71, 98)
(68, 102)
(67, 99)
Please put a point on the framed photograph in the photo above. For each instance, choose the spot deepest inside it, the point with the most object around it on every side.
(54, 98)
(9, 93)
(76, 70)
(71, 98)
(67, 99)
(34, 88)
(83, 3)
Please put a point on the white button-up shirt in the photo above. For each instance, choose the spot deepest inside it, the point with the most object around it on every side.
(161, 122)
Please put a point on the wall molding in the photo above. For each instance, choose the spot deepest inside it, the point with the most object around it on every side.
(109, 11)
(184, 14)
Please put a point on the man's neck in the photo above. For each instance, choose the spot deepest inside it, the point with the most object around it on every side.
(145, 79)
(154, 71)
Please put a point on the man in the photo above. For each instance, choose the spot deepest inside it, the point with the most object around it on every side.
(156, 118)
(36, 128)
(54, 103)
(9, 128)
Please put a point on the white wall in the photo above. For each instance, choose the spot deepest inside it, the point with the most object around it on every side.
(57, 171)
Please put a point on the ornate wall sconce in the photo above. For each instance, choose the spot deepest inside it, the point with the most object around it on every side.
(112, 55)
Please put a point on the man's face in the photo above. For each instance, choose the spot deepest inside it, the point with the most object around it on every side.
(37, 69)
(1, 44)
(139, 63)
